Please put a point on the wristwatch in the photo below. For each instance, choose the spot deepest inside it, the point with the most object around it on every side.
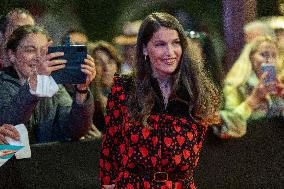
(81, 91)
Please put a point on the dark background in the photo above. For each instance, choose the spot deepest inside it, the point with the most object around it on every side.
(103, 20)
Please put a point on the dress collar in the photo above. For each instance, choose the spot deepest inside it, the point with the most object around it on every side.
(178, 103)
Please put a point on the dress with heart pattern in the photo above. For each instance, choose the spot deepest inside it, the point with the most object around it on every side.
(172, 143)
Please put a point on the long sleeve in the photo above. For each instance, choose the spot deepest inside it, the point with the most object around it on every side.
(58, 118)
(112, 146)
(235, 113)
(74, 121)
(16, 104)
(81, 114)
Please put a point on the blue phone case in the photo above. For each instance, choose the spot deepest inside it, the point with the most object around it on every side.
(71, 73)
(270, 69)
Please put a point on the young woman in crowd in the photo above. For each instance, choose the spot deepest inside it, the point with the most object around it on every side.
(107, 64)
(56, 118)
(247, 94)
(156, 120)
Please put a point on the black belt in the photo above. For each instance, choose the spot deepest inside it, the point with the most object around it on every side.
(162, 176)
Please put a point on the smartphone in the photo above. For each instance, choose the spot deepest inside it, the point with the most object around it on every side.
(71, 73)
(271, 72)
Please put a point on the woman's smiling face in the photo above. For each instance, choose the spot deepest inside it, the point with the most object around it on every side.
(29, 50)
(265, 53)
(164, 51)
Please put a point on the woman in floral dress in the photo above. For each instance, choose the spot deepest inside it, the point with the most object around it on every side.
(157, 119)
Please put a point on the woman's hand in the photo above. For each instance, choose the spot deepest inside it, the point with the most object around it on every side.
(93, 133)
(261, 91)
(89, 68)
(8, 130)
(45, 64)
(4, 153)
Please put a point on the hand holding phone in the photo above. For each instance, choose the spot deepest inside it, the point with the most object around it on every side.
(74, 55)
(271, 73)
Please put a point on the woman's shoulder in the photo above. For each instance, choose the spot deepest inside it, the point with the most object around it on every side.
(125, 81)
(8, 83)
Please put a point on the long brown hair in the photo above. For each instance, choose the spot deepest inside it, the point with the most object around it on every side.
(204, 101)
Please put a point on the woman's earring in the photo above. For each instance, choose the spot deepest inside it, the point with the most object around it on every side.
(145, 58)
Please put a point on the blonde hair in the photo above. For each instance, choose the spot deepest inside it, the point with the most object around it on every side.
(242, 68)
(260, 25)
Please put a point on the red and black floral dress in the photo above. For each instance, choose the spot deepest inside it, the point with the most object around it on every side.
(162, 156)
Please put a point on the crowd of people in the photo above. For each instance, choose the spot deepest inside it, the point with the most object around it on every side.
(152, 105)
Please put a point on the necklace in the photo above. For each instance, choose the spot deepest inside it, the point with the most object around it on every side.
(166, 88)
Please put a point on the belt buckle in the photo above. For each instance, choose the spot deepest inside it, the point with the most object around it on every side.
(163, 176)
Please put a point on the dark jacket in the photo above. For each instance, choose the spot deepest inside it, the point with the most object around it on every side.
(58, 118)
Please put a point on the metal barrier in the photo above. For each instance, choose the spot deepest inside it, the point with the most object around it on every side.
(254, 161)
